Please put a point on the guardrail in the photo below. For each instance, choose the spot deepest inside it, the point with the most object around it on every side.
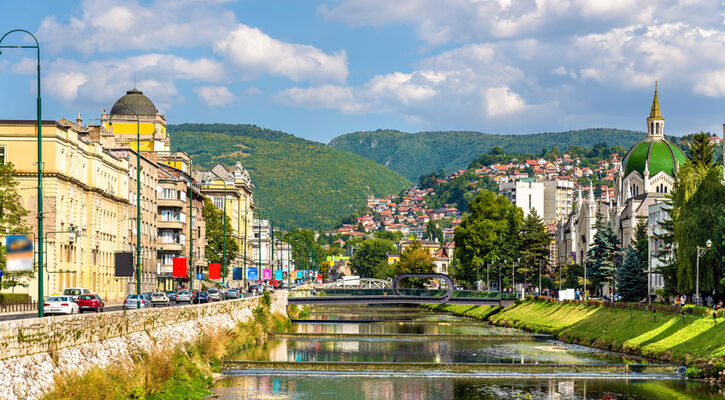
(20, 307)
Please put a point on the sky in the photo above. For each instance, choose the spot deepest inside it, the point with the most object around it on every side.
(318, 69)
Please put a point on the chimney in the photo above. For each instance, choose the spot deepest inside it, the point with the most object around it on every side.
(79, 121)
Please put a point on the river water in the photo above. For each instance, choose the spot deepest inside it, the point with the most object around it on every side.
(378, 335)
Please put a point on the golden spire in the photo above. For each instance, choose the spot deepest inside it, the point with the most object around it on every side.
(655, 113)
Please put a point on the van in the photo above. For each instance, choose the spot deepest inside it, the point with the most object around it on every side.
(75, 292)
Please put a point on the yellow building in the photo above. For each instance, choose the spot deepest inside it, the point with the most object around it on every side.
(236, 187)
(85, 190)
(120, 123)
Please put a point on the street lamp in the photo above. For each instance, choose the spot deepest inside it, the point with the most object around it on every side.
(138, 199)
(700, 252)
(40, 163)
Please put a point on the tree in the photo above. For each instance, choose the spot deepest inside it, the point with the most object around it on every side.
(631, 279)
(305, 250)
(215, 235)
(360, 227)
(603, 256)
(573, 275)
(534, 244)
(482, 236)
(433, 232)
(370, 259)
(393, 236)
(641, 242)
(12, 220)
(414, 260)
(701, 150)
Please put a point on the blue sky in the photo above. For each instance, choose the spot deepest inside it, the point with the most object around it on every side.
(318, 69)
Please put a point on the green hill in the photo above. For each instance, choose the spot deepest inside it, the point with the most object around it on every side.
(416, 154)
(298, 182)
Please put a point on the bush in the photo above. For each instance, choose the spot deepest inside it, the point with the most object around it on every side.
(693, 372)
(14, 298)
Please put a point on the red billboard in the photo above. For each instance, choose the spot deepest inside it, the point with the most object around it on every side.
(180, 270)
(215, 271)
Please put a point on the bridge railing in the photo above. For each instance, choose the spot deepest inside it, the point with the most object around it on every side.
(402, 291)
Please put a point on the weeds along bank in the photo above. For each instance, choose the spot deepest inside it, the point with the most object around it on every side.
(131, 355)
(695, 340)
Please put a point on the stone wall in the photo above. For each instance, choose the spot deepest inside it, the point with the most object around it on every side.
(33, 351)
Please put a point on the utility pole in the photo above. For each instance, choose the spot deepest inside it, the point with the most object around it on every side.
(191, 227)
(224, 241)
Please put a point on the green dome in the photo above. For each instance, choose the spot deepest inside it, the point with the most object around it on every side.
(134, 100)
(662, 156)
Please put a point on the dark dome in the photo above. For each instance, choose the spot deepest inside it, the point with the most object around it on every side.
(134, 100)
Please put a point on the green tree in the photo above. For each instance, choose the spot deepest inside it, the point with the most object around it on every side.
(701, 150)
(631, 279)
(573, 276)
(482, 235)
(215, 235)
(534, 245)
(603, 256)
(393, 236)
(433, 232)
(414, 260)
(641, 242)
(305, 250)
(12, 220)
(370, 259)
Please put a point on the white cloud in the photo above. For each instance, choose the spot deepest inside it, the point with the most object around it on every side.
(215, 95)
(450, 85)
(65, 85)
(252, 91)
(256, 53)
(110, 26)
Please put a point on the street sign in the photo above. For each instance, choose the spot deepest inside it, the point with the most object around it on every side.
(1, 273)
(200, 276)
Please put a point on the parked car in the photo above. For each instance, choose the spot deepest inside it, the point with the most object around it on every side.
(75, 292)
(214, 294)
(159, 299)
(171, 294)
(204, 297)
(90, 302)
(60, 305)
(233, 293)
(133, 300)
(184, 296)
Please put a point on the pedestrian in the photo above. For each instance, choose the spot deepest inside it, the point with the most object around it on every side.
(677, 300)
(683, 301)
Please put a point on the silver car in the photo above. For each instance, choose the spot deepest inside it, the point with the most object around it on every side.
(214, 294)
(132, 302)
(183, 296)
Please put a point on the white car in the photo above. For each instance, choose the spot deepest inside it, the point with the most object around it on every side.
(159, 298)
(60, 305)
(75, 292)
(214, 294)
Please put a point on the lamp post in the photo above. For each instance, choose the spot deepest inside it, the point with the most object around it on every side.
(138, 199)
(700, 252)
(224, 241)
(191, 227)
(40, 163)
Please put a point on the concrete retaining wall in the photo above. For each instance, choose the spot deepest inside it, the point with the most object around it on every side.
(33, 351)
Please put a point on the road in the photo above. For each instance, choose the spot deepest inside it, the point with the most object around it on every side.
(33, 314)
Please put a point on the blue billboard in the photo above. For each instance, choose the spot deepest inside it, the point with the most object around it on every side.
(252, 274)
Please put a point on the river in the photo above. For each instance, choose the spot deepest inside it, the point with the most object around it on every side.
(392, 353)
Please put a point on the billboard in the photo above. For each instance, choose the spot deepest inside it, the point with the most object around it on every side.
(19, 253)
(300, 274)
(238, 274)
(266, 274)
(123, 264)
(179, 268)
(252, 274)
(278, 275)
(215, 271)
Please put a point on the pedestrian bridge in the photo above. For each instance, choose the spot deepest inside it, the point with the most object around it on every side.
(334, 294)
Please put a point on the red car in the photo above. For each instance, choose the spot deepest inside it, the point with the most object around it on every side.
(88, 302)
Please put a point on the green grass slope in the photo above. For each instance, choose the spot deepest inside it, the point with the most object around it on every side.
(670, 337)
(416, 154)
(298, 182)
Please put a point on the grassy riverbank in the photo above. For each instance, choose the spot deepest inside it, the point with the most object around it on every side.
(691, 339)
(182, 374)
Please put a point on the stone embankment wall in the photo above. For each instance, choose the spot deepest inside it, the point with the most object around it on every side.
(33, 351)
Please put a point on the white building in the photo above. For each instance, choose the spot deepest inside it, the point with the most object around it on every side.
(558, 200)
(525, 193)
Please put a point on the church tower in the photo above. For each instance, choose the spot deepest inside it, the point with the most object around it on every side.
(655, 122)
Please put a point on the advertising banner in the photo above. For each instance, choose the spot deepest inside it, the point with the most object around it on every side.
(252, 274)
(19, 253)
(278, 275)
(215, 271)
(300, 274)
(179, 269)
(237, 274)
(266, 274)
(123, 263)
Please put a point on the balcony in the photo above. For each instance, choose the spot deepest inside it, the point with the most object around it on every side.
(171, 246)
(171, 224)
(171, 203)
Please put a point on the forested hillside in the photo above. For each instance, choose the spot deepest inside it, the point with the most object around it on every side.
(298, 182)
(416, 154)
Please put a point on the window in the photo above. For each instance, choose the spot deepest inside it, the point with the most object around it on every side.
(219, 202)
(167, 259)
(2, 154)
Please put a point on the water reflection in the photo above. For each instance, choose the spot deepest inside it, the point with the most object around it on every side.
(404, 388)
